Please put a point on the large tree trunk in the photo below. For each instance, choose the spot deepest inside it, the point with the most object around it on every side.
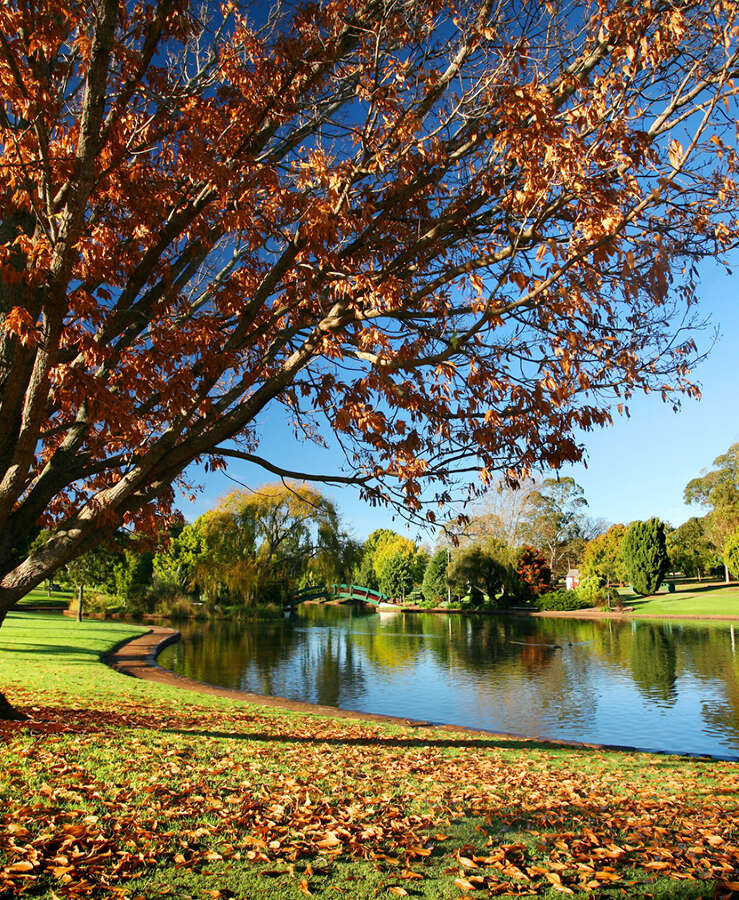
(7, 711)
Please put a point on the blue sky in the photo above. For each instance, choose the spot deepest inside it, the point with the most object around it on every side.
(635, 469)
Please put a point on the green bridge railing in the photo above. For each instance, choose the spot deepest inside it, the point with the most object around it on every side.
(340, 592)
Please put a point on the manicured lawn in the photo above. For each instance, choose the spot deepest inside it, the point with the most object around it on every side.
(41, 597)
(691, 598)
(120, 787)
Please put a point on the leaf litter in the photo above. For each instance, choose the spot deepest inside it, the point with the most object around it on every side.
(91, 798)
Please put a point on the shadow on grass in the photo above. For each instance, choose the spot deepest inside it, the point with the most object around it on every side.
(84, 720)
(501, 743)
(66, 649)
(683, 592)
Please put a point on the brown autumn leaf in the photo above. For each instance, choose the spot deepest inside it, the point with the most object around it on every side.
(409, 875)
(612, 835)
(329, 841)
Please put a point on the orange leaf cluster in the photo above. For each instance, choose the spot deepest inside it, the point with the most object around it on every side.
(450, 236)
(292, 796)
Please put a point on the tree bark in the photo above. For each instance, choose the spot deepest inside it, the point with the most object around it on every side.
(80, 601)
(8, 712)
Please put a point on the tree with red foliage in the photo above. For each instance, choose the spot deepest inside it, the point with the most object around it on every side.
(532, 569)
(458, 232)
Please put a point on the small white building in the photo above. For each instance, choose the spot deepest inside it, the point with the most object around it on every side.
(572, 579)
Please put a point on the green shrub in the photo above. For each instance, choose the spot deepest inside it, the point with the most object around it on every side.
(592, 589)
(176, 605)
(429, 604)
(645, 555)
(100, 604)
(562, 600)
(239, 611)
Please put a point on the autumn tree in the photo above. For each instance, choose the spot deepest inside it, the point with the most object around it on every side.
(263, 542)
(718, 490)
(457, 231)
(532, 570)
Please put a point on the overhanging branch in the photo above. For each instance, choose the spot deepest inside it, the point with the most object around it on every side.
(289, 473)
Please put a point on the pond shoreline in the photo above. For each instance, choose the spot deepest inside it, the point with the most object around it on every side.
(137, 657)
(591, 613)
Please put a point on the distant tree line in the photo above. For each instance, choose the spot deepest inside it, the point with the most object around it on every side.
(643, 552)
(259, 547)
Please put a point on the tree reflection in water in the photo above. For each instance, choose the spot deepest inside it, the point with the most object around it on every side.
(656, 685)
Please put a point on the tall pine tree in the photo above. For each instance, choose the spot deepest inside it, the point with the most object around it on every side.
(645, 555)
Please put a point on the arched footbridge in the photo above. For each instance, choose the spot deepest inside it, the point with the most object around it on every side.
(339, 593)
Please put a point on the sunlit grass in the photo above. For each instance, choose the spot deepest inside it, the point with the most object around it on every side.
(691, 598)
(41, 596)
(169, 792)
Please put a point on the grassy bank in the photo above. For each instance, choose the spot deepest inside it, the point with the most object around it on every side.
(42, 597)
(128, 788)
(691, 598)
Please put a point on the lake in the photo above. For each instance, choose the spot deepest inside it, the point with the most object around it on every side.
(670, 686)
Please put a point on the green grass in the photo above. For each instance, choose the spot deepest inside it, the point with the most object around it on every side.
(41, 597)
(123, 787)
(691, 598)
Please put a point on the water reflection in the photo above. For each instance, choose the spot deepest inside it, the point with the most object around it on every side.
(663, 686)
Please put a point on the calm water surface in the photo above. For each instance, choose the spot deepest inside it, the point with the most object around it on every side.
(657, 686)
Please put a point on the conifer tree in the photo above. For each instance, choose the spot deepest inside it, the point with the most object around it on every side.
(645, 555)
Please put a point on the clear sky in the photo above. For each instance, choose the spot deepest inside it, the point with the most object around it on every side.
(635, 469)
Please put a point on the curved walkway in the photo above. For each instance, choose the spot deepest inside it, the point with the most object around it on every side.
(137, 657)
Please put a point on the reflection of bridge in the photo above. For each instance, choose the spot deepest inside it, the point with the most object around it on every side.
(339, 593)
